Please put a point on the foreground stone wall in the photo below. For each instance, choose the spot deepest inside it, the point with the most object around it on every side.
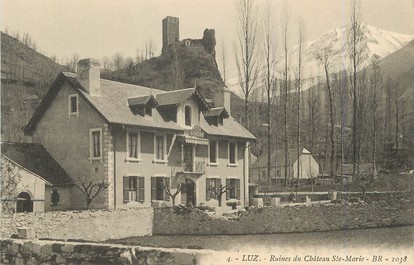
(86, 225)
(22, 252)
(286, 219)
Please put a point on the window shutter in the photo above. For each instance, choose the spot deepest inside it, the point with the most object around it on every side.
(208, 189)
(228, 189)
(126, 189)
(167, 183)
(238, 189)
(153, 188)
(141, 184)
(218, 184)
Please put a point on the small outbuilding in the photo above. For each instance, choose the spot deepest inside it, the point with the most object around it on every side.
(32, 180)
(309, 167)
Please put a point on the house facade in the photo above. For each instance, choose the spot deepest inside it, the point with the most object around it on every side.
(145, 143)
(308, 166)
(32, 181)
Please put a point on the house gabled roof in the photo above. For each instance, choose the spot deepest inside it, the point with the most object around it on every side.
(177, 97)
(35, 158)
(278, 158)
(230, 128)
(219, 111)
(113, 106)
(142, 101)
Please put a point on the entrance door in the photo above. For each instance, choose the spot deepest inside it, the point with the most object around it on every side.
(188, 193)
(188, 158)
(24, 203)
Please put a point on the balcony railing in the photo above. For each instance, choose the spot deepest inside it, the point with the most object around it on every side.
(196, 166)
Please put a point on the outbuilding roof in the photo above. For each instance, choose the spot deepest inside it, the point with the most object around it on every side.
(35, 158)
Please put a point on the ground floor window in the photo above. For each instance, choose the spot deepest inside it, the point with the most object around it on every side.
(159, 187)
(212, 187)
(134, 189)
(55, 197)
(234, 191)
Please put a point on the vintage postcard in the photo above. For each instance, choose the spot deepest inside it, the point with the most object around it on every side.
(207, 132)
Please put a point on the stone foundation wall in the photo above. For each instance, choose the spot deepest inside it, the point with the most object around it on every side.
(22, 252)
(287, 219)
(96, 225)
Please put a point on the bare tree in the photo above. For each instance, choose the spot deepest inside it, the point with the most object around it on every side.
(270, 63)
(223, 56)
(299, 89)
(398, 100)
(90, 188)
(247, 64)
(117, 61)
(169, 192)
(324, 58)
(356, 49)
(219, 191)
(285, 91)
(375, 98)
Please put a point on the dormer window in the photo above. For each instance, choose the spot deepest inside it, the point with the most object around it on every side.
(73, 105)
(187, 114)
(148, 111)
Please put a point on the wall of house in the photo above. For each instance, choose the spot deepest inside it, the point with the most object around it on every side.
(67, 139)
(145, 167)
(64, 196)
(223, 170)
(195, 117)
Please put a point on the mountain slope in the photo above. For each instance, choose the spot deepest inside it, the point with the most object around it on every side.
(26, 75)
(378, 44)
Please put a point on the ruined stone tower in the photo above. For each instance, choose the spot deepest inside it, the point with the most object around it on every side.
(170, 32)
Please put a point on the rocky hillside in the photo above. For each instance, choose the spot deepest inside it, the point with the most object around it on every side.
(189, 63)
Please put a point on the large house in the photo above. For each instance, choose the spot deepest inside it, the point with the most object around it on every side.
(145, 143)
(308, 166)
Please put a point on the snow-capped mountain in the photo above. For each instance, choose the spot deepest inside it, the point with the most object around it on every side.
(377, 43)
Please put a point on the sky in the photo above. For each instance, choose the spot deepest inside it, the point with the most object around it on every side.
(98, 28)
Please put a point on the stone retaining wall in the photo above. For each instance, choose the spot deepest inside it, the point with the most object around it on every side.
(22, 252)
(286, 219)
(97, 225)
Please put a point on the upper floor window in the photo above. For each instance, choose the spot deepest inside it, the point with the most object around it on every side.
(213, 151)
(133, 145)
(95, 143)
(187, 115)
(134, 189)
(73, 105)
(160, 147)
(232, 153)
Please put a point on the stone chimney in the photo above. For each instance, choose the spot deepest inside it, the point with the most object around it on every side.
(222, 99)
(89, 75)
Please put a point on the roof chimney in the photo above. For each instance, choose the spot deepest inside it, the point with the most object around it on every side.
(89, 75)
(222, 99)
